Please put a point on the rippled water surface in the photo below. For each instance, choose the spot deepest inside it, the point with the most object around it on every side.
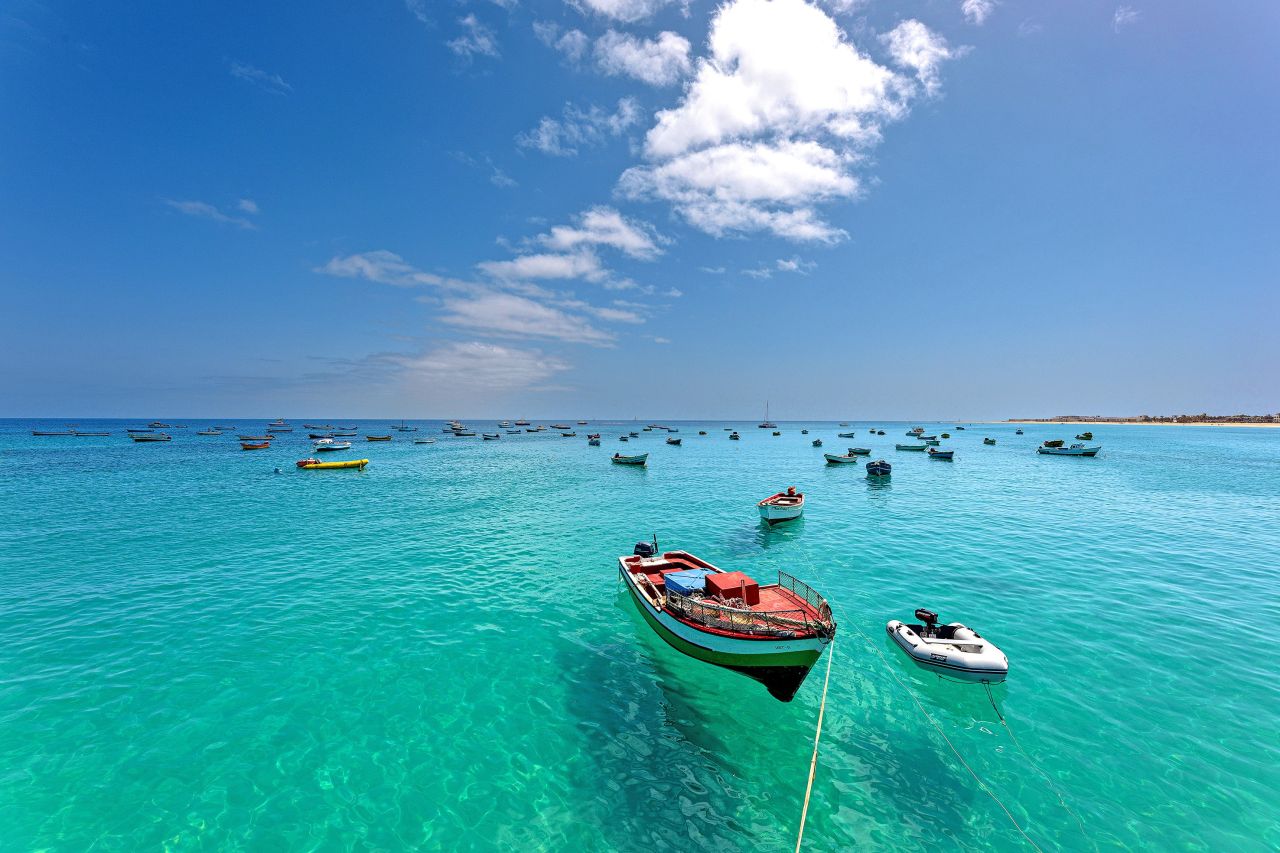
(199, 653)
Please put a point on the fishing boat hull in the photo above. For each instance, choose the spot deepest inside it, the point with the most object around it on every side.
(914, 447)
(781, 508)
(244, 445)
(1069, 451)
(317, 465)
(844, 435)
(144, 438)
(879, 469)
(944, 455)
(619, 459)
(780, 665)
(833, 459)
(378, 437)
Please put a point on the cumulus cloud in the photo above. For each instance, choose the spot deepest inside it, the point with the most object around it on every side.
(482, 366)
(913, 45)
(977, 11)
(574, 44)
(578, 128)
(604, 226)
(266, 81)
(775, 117)
(661, 61)
(476, 39)
(383, 267)
(627, 11)
(738, 187)
(547, 265)
(247, 205)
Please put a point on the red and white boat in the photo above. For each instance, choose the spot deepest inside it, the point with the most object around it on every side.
(773, 633)
(784, 506)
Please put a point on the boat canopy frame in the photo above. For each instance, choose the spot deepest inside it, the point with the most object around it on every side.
(743, 620)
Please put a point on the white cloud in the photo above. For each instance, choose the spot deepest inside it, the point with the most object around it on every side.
(977, 11)
(712, 270)
(1124, 16)
(482, 366)
(383, 267)
(1029, 27)
(913, 45)
(267, 82)
(247, 205)
(573, 43)
(627, 11)
(659, 62)
(738, 187)
(780, 67)
(775, 117)
(476, 39)
(604, 226)
(419, 10)
(204, 210)
(510, 315)
(579, 128)
(582, 264)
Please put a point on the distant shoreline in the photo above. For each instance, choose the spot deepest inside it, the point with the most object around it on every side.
(1139, 423)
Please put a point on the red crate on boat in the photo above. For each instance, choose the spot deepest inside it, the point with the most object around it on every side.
(733, 585)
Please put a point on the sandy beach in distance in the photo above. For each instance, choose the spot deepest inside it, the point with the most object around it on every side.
(1132, 423)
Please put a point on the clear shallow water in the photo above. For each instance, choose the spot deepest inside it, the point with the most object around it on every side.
(197, 653)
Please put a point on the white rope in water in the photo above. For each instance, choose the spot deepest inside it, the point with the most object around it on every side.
(1047, 778)
(813, 762)
(981, 784)
(889, 668)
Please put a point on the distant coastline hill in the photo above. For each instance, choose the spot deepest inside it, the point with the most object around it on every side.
(1202, 418)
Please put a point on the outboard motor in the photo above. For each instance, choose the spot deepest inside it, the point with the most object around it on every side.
(644, 549)
(929, 618)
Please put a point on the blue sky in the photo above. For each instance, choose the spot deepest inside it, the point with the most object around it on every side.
(608, 208)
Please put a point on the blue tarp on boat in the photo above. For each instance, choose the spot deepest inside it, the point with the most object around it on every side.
(686, 581)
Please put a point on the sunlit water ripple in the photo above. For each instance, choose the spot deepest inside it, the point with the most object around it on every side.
(199, 653)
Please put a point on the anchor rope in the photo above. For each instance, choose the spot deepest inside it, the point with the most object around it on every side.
(1047, 778)
(889, 668)
(813, 762)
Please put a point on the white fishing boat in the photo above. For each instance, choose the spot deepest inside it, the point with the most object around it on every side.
(329, 445)
(766, 423)
(784, 506)
(954, 649)
(491, 436)
(424, 441)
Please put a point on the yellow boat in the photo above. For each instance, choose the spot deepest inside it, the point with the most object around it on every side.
(310, 464)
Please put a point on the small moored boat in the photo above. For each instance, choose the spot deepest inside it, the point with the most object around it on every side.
(674, 441)
(851, 456)
(619, 459)
(151, 436)
(954, 649)
(424, 441)
(569, 434)
(1073, 450)
(1085, 436)
(784, 506)
(817, 442)
(317, 465)
(946, 455)
(491, 436)
(845, 434)
(773, 633)
(208, 432)
(254, 445)
(328, 445)
(918, 447)
(879, 469)
(378, 437)
(988, 441)
(733, 436)
(1017, 431)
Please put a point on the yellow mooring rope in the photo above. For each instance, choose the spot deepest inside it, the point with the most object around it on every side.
(813, 763)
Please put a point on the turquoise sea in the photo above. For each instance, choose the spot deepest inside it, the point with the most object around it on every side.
(198, 653)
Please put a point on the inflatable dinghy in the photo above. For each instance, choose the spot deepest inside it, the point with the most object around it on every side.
(954, 649)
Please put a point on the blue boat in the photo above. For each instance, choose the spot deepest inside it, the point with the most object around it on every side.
(879, 469)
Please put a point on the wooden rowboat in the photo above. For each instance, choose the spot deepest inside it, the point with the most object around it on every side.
(773, 633)
(317, 465)
(619, 459)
